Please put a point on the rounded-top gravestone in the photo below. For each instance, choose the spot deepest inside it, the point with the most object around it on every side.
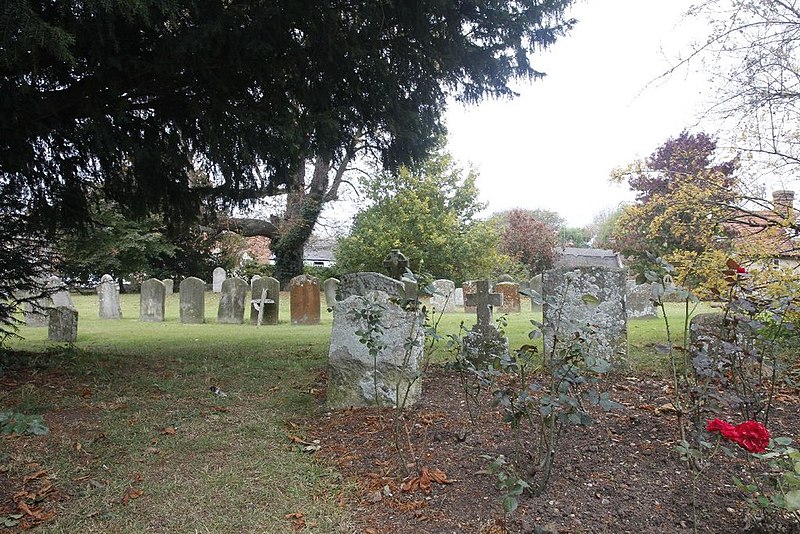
(231, 301)
(108, 293)
(151, 301)
(192, 301)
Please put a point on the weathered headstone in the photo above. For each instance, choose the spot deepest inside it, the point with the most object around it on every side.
(536, 286)
(169, 286)
(151, 301)
(362, 283)
(63, 324)
(59, 292)
(391, 378)
(304, 299)
(330, 287)
(639, 304)
(35, 311)
(231, 301)
(468, 288)
(505, 278)
(270, 289)
(510, 292)
(458, 296)
(484, 342)
(108, 293)
(590, 302)
(443, 299)
(218, 276)
(192, 301)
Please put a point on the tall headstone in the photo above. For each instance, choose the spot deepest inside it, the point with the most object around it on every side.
(443, 299)
(59, 292)
(270, 289)
(484, 342)
(304, 299)
(218, 277)
(590, 302)
(169, 286)
(151, 301)
(231, 301)
(458, 296)
(108, 293)
(468, 288)
(330, 286)
(536, 287)
(510, 292)
(192, 301)
(356, 377)
(63, 324)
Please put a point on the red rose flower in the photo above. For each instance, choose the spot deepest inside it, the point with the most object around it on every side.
(753, 436)
(726, 429)
(741, 270)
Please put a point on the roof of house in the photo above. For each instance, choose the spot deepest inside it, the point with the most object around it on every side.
(770, 230)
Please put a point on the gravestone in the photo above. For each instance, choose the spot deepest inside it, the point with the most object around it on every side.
(362, 283)
(639, 304)
(484, 342)
(357, 378)
(443, 299)
(468, 288)
(59, 292)
(536, 286)
(233, 294)
(304, 299)
(217, 277)
(510, 292)
(505, 278)
(458, 296)
(63, 324)
(330, 288)
(151, 301)
(593, 296)
(712, 340)
(35, 311)
(192, 301)
(108, 293)
(254, 278)
(270, 289)
(169, 286)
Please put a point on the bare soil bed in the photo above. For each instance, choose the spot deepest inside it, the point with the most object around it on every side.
(620, 475)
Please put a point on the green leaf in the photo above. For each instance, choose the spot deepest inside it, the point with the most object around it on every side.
(792, 499)
(782, 440)
(510, 504)
(590, 300)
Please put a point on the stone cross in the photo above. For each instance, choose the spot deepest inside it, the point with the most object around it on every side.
(259, 305)
(483, 300)
(396, 263)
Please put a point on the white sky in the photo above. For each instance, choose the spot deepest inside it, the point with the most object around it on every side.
(554, 146)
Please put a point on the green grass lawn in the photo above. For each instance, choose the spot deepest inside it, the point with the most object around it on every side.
(130, 409)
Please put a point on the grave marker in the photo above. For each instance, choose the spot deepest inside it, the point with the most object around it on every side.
(192, 301)
(233, 294)
(151, 301)
(108, 293)
(304, 300)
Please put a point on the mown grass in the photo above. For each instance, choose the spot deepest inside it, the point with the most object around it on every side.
(130, 409)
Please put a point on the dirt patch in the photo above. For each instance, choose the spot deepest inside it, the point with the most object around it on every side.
(620, 475)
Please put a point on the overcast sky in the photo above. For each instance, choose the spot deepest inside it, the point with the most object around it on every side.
(554, 146)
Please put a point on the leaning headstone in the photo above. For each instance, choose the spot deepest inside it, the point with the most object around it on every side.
(304, 299)
(63, 324)
(458, 296)
(390, 378)
(484, 342)
(443, 299)
(270, 289)
(588, 302)
(639, 304)
(169, 285)
(192, 301)
(59, 292)
(108, 293)
(468, 288)
(330, 286)
(232, 296)
(151, 301)
(510, 292)
(218, 277)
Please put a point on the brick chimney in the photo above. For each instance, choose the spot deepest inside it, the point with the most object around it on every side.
(783, 202)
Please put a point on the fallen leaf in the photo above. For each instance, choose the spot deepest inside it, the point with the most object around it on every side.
(86, 393)
(130, 494)
(220, 409)
(301, 441)
(35, 475)
(374, 496)
(169, 431)
(295, 515)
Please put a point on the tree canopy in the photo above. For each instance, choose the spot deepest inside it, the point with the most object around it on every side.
(529, 236)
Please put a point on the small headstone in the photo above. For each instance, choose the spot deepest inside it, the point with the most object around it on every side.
(484, 342)
(231, 301)
(218, 277)
(63, 324)
(151, 301)
(396, 263)
(575, 297)
(468, 289)
(108, 293)
(60, 293)
(271, 303)
(169, 285)
(443, 298)
(639, 304)
(330, 286)
(35, 311)
(355, 377)
(458, 296)
(510, 292)
(192, 301)
(304, 299)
